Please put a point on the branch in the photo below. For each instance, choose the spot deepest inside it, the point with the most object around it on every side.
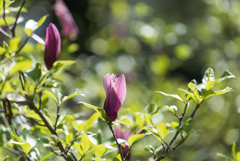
(178, 132)
(50, 128)
(4, 15)
(58, 115)
(15, 22)
(114, 136)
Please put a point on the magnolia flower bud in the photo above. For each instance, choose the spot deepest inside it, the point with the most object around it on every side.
(53, 45)
(115, 94)
(70, 29)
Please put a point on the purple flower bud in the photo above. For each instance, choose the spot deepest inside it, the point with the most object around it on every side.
(70, 29)
(53, 45)
(116, 92)
(123, 134)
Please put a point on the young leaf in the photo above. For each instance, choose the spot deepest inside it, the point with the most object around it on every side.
(58, 65)
(124, 121)
(51, 95)
(208, 76)
(26, 147)
(66, 119)
(162, 130)
(225, 156)
(149, 120)
(21, 66)
(5, 158)
(118, 158)
(191, 95)
(14, 43)
(75, 93)
(46, 156)
(84, 144)
(234, 150)
(97, 109)
(172, 108)
(134, 138)
(97, 148)
(171, 95)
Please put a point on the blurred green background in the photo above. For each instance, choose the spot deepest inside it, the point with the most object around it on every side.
(158, 45)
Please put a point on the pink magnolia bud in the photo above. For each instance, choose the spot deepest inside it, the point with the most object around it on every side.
(70, 29)
(123, 134)
(53, 45)
(116, 92)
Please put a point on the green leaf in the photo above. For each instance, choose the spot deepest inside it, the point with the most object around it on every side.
(225, 156)
(149, 120)
(46, 156)
(208, 76)
(58, 65)
(14, 43)
(66, 119)
(10, 20)
(93, 118)
(77, 146)
(42, 20)
(77, 92)
(69, 138)
(21, 66)
(35, 74)
(191, 95)
(238, 156)
(171, 95)
(5, 158)
(149, 148)
(172, 108)
(124, 121)
(187, 126)
(174, 124)
(84, 144)
(97, 148)
(226, 75)
(97, 109)
(31, 25)
(134, 138)
(26, 147)
(51, 95)
(210, 93)
(234, 150)
(163, 130)
(118, 158)
(151, 108)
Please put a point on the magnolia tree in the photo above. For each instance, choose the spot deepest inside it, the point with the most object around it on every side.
(26, 85)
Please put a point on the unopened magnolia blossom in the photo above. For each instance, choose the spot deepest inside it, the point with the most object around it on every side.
(123, 134)
(70, 29)
(52, 45)
(115, 94)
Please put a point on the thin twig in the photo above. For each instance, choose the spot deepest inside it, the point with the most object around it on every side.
(4, 15)
(50, 128)
(21, 80)
(24, 43)
(115, 138)
(165, 152)
(58, 115)
(16, 19)
(31, 119)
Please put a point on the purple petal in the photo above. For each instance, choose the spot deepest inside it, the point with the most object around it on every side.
(70, 29)
(53, 45)
(37, 38)
(115, 94)
(106, 83)
(120, 88)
